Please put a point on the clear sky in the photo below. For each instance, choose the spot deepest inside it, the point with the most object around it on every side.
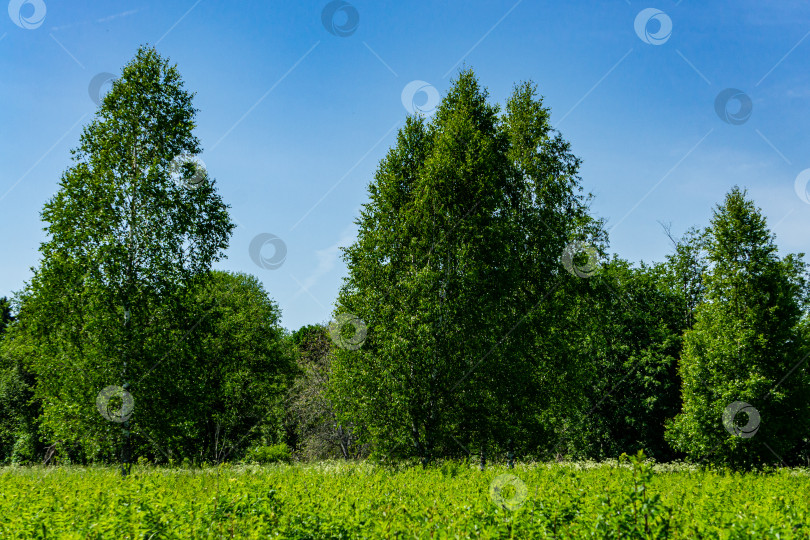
(300, 100)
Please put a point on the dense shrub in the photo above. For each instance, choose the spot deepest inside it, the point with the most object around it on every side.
(358, 500)
(269, 454)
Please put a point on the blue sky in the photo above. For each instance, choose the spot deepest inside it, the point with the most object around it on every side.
(294, 118)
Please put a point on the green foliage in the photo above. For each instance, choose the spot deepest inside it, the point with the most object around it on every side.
(19, 433)
(358, 500)
(454, 272)
(685, 271)
(313, 428)
(629, 325)
(19, 411)
(239, 372)
(746, 345)
(269, 454)
(635, 513)
(125, 246)
(480, 342)
(5, 314)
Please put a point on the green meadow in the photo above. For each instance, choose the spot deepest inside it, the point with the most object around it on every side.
(625, 499)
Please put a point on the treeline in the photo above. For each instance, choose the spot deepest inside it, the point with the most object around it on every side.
(481, 315)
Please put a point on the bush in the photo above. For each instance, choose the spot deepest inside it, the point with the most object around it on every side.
(269, 454)
(634, 512)
(24, 450)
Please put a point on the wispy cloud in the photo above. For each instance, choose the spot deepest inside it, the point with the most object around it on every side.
(798, 93)
(102, 20)
(117, 15)
(328, 258)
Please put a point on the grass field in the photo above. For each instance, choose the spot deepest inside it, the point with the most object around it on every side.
(359, 500)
